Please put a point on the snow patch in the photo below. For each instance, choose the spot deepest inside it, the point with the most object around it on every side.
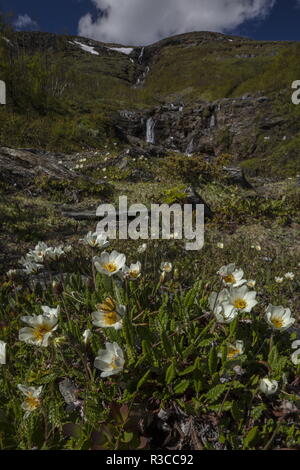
(123, 50)
(85, 48)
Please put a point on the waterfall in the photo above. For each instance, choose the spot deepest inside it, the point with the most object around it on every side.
(212, 121)
(190, 147)
(141, 56)
(150, 137)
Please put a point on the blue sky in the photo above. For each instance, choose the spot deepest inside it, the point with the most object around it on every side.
(131, 21)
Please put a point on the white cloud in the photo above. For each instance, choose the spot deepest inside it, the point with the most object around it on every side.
(138, 22)
(25, 22)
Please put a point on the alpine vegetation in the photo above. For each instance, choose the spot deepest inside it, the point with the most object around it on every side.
(117, 346)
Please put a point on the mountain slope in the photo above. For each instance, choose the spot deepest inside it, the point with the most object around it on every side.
(206, 93)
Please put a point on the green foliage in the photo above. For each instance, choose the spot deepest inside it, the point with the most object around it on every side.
(175, 353)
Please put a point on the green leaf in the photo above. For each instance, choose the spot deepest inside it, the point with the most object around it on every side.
(170, 373)
(181, 387)
(214, 393)
(188, 370)
(251, 437)
(143, 379)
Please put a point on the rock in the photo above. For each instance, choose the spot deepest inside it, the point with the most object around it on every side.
(235, 175)
(20, 167)
(194, 198)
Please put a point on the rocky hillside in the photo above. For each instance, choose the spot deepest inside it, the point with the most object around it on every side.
(197, 93)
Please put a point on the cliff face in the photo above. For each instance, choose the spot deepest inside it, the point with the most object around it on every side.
(194, 93)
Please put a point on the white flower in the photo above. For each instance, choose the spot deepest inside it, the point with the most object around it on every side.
(241, 299)
(2, 352)
(235, 350)
(39, 252)
(220, 245)
(109, 263)
(86, 336)
(12, 273)
(268, 386)
(142, 248)
(223, 313)
(39, 331)
(279, 280)
(279, 318)
(133, 272)
(32, 400)
(32, 268)
(95, 239)
(109, 314)
(55, 253)
(289, 276)
(110, 360)
(295, 357)
(232, 276)
(50, 312)
(166, 267)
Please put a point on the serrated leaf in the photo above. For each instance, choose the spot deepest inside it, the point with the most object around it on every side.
(181, 387)
(214, 393)
(170, 373)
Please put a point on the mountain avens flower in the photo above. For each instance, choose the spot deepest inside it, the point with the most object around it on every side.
(289, 276)
(50, 312)
(96, 240)
(241, 299)
(110, 360)
(109, 314)
(279, 318)
(109, 264)
(232, 276)
(235, 350)
(133, 272)
(39, 330)
(166, 267)
(268, 386)
(295, 357)
(224, 313)
(32, 401)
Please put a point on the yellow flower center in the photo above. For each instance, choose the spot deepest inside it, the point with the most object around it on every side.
(110, 267)
(110, 318)
(277, 322)
(113, 363)
(40, 331)
(32, 402)
(134, 274)
(232, 352)
(230, 279)
(240, 304)
(108, 305)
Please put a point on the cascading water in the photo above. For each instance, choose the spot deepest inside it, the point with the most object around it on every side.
(141, 56)
(150, 135)
(190, 147)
